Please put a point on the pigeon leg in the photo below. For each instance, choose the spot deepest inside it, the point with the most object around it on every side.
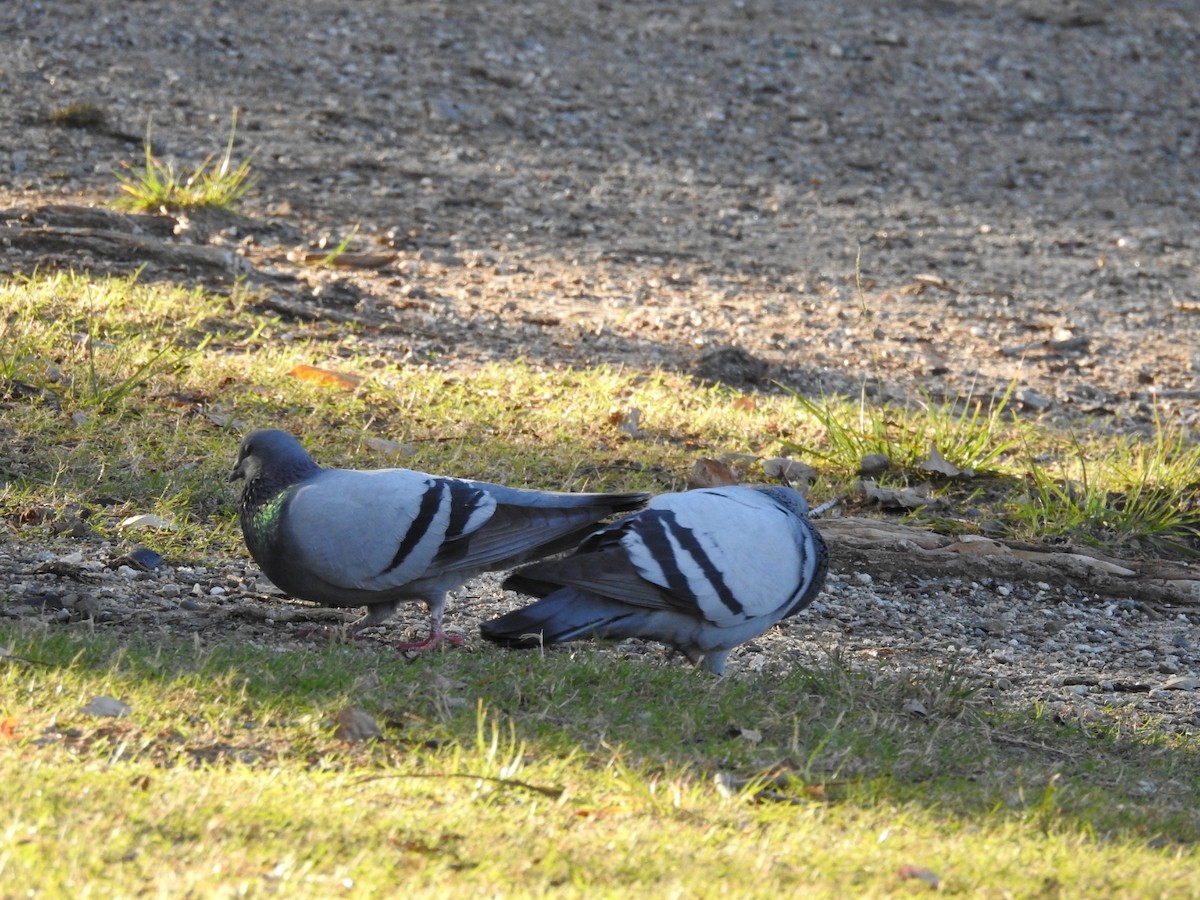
(437, 636)
(377, 614)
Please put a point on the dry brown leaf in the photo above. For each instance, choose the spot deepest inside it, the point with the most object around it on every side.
(790, 470)
(707, 473)
(745, 402)
(900, 498)
(939, 465)
(327, 377)
(628, 421)
(148, 520)
(354, 725)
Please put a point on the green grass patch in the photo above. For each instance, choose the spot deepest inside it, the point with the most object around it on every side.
(575, 773)
(218, 182)
(126, 397)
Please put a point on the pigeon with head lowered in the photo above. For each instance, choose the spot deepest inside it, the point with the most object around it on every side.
(343, 537)
(703, 571)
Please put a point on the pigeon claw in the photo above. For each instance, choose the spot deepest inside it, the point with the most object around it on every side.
(433, 642)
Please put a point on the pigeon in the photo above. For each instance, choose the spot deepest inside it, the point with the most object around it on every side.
(376, 538)
(703, 571)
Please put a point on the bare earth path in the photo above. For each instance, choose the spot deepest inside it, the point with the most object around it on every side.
(653, 184)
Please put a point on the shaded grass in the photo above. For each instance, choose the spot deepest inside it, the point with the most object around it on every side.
(575, 772)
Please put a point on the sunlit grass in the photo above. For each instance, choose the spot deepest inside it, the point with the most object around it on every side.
(157, 185)
(576, 773)
(1125, 489)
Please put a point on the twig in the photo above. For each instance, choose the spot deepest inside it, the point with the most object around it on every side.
(5, 653)
(554, 793)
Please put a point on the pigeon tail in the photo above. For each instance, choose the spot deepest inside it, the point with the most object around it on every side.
(565, 615)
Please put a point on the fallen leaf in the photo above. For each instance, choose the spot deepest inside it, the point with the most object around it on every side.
(920, 872)
(753, 735)
(147, 520)
(354, 725)
(914, 707)
(746, 403)
(628, 421)
(707, 473)
(902, 498)
(107, 706)
(327, 377)
(939, 465)
(383, 445)
(223, 421)
(8, 728)
(789, 470)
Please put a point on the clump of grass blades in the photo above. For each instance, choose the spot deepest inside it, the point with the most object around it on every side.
(217, 183)
(971, 434)
(1147, 492)
(79, 114)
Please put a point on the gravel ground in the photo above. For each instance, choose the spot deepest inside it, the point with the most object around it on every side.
(941, 197)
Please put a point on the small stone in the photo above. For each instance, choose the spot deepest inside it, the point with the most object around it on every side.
(873, 464)
(1181, 683)
(106, 706)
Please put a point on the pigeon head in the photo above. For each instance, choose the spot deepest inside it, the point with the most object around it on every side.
(268, 461)
(787, 498)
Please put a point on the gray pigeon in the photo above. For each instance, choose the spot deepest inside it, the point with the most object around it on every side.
(377, 538)
(702, 571)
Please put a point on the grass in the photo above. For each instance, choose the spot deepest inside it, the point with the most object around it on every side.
(569, 773)
(574, 773)
(136, 388)
(216, 183)
(973, 434)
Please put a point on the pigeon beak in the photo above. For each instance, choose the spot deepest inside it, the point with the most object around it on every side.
(237, 472)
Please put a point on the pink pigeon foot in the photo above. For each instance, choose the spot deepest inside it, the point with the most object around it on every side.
(436, 638)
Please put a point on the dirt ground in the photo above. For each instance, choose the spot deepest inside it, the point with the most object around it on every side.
(937, 196)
